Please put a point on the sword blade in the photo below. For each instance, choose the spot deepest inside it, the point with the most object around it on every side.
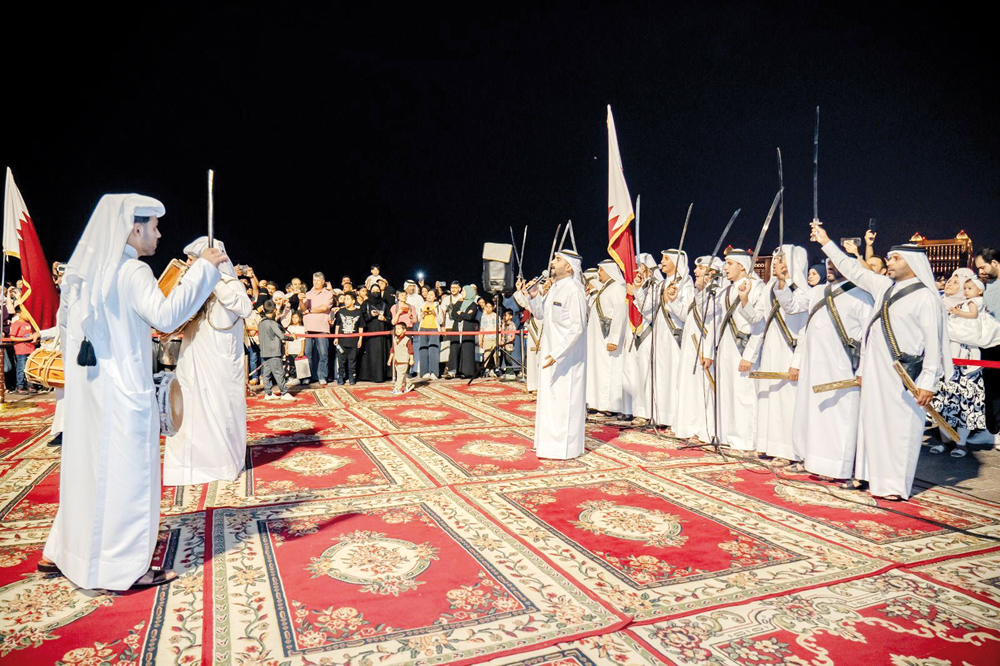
(516, 255)
(524, 240)
(725, 232)
(781, 209)
(552, 252)
(763, 232)
(211, 208)
(684, 231)
(816, 169)
(572, 236)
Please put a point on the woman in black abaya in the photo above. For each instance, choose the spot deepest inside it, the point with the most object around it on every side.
(375, 357)
(462, 360)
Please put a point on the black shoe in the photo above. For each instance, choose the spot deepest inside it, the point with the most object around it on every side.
(340, 382)
(56, 441)
(854, 484)
(353, 382)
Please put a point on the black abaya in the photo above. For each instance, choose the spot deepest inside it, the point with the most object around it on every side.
(375, 350)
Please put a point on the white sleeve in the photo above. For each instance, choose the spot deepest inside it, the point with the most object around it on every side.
(142, 293)
(930, 321)
(569, 327)
(868, 280)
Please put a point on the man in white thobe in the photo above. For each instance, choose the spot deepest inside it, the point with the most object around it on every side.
(825, 430)
(532, 341)
(606, 329)
(891, 418)
(105, 530)
(211, 443)
(787, 295)
(675, 296)
(637, 396)
(695, 417)
(740, 308)
(561, 410)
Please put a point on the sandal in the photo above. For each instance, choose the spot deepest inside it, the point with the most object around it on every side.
(937, 448)
(853, 484)
(959, 452)
(159, 577)
(48, 568)
(891, 498)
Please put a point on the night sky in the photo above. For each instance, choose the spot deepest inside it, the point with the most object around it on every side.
(340, 139)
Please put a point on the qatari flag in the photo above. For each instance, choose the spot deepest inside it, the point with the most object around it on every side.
(621, 244)
(20, 240)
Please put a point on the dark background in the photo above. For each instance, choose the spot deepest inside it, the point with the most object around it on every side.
(342, 137)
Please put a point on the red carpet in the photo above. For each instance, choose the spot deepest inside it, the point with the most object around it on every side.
(374, 529)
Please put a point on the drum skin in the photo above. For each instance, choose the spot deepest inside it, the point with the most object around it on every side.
(169, 402)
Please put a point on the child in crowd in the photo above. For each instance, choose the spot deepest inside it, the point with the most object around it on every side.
(295, 347)
(271, 338)
(348, 321)
(961, 398)
(510, 346)
(401, 360)
(402, 312)
(24, 337)
(488, 341)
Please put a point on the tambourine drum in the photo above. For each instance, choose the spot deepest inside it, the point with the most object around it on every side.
(169, 279)
(169, 402)
(171, 276)
(45, 367)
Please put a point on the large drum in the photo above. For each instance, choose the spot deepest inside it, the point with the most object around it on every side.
(45, 367)
(169, 352)
(169, 401)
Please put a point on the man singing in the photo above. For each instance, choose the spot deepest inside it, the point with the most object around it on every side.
(561, 410)
(109, 495)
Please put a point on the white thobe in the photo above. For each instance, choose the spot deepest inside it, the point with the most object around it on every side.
(695, 416)
(561, 410)
(737, 395)
(637, 394)
(50, 340)
(666, 350)
(605, 370)
(109, 491)
(211, 443)
(825, 431)
(776, 398)
(445, 307)
(891, 422)
(532, 339)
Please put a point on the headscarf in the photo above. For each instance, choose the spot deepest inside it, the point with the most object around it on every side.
(199, 245)
(979, 284)
(574, 260)
(797, 259)
(916, 259)
(680, 259)
(611, 268)
(714, 263)
(646, 259)
(742, 258)
(91, 270)
(821, 270)
(963, 275)
(469, 294)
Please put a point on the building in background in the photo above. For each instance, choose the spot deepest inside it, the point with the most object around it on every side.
(948, 254)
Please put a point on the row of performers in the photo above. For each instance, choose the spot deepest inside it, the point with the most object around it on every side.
(688, 365)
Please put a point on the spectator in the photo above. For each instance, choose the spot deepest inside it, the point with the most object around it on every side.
(347, 321)
(295, 347)
(960, 398)
(251, 342)
(403, 312)
(376, 316)
(318, 305)
(24, 337)
(488, 343)
(401, 360)
(273, 371)
(816, 275)
(429, 346)
(462, 359)
(511, 346)
(988, 264)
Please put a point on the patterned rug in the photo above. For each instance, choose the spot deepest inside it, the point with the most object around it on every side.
(368, 528)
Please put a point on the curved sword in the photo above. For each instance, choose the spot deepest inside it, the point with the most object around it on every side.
(816, 169)
(680, 246)
(781, 209)
(763, 232)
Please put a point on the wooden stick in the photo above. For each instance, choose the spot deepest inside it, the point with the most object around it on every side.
(836, 386)
(770, 375)
(934, 414)
(708, 373)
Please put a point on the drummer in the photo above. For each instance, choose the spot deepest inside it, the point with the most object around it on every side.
(106, 527)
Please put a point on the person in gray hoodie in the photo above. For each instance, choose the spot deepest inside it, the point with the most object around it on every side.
(272, 337)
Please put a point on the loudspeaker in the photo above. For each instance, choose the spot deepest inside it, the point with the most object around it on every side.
(498, 274)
